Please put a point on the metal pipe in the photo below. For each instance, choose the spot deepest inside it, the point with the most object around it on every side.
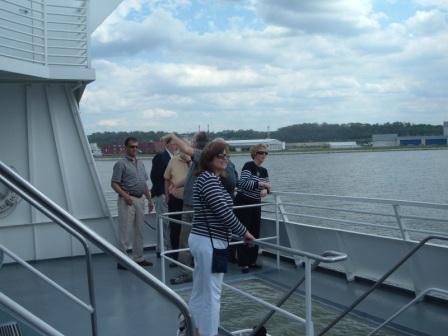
(73, 232)
(309, 327)
(404, 234)
(277, 228)
(413, 301)
(283, 300)
(43, 277)
(366, 200)
(31, 320)
(20, 185)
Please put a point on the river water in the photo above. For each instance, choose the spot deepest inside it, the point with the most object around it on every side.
(406, 175)
(420, 175)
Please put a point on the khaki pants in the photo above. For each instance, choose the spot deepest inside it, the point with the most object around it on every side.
(161, 207)
(131, 218)
(185, 257)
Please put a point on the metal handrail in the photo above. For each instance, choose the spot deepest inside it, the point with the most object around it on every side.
(406, 306)
(285, 298)
(44, 204)
(327, 257)
(366, 200)
(87, 252)
(381, 281)
(43, 277)
(31, 320)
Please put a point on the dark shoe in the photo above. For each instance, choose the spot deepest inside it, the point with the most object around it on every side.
(183, 278)
(256, 266)
(121, 267)
(144, 263)
(245, 269)
(172, 265)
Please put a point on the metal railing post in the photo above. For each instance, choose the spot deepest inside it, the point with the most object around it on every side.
(277, 228)
(162, 247)
(44, 5)
(309, 327)
(91, 288)
(404, 233)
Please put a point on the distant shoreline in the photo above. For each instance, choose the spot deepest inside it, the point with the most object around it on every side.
(322, 150)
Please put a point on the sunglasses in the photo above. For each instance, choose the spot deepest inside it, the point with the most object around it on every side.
(262, 153)
(133, 146)
(223, 156)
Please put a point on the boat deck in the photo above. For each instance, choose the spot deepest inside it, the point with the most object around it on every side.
(126, 306)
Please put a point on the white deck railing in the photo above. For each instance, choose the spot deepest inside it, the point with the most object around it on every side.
(45, 32)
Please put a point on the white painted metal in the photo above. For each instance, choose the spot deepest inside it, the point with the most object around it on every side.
(50, 39)
(45, 143)
(417, 299)
(309, 326)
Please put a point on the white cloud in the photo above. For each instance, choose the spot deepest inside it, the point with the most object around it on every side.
(313, 61)
(320, 16)
(112, 122)
(158, 114)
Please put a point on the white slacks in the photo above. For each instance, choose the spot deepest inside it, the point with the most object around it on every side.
(205, 300)
(131, 218)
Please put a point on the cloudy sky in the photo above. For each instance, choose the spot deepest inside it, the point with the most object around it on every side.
(173, 65)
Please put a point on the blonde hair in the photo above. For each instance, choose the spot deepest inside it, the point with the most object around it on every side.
(256, 148)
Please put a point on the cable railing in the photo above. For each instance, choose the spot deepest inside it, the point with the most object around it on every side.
(38, 200)
(309, 260)
(398, 221)
(45, 32)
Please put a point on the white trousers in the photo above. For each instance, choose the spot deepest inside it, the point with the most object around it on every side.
(205, 300)
(131, 218)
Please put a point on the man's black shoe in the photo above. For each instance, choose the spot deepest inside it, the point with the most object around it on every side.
(144, 263)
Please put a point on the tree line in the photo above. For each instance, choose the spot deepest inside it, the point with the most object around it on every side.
(306, 132)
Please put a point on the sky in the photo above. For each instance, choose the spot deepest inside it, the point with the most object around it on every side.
(177, 65)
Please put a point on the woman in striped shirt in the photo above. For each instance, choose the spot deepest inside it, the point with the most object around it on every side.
(213, 224)
(252, 186)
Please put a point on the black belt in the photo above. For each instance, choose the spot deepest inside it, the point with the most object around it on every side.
(134, 195)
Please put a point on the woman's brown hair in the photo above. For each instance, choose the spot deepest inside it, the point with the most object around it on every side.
(209, 153)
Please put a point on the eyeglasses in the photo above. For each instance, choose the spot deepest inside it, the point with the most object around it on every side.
(223, 156)
(262, 153)
(133, 146)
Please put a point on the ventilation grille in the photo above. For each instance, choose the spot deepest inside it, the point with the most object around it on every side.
(10, 329)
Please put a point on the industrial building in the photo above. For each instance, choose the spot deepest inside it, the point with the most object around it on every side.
(245, 145)
(388, 140)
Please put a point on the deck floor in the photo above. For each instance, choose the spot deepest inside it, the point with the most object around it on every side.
(126, 306)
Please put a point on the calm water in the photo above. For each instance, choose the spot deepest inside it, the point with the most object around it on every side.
(408, 175)
(405, 175)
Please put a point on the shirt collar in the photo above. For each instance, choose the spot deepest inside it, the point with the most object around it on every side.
(130, 158)
(169, 153)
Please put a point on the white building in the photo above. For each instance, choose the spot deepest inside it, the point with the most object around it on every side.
(384, 140)
(343, 144)
(272, 144)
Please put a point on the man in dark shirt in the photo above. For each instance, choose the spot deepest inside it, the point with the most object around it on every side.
(159, 164)
(129, 182)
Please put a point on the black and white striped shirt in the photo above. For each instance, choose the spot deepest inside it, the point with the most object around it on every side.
(251, 175)
(213, 206)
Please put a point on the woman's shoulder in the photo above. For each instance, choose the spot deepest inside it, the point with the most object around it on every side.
(249, 165)
(207, 176)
